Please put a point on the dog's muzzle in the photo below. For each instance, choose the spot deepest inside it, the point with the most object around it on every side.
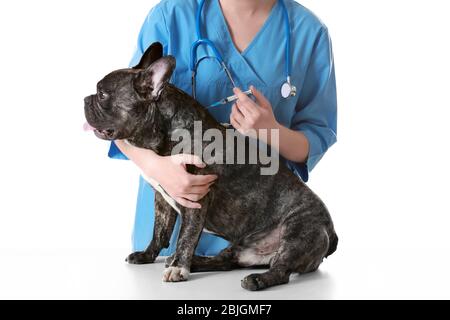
(105, 134)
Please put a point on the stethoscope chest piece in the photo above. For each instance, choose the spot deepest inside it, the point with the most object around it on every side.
(288, 90)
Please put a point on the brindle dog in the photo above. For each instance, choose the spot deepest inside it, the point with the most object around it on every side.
(274, 221)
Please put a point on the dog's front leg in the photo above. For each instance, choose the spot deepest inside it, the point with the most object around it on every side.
(165, 218)
(192, 223)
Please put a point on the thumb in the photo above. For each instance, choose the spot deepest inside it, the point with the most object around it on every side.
(260, 99)
(184, 159)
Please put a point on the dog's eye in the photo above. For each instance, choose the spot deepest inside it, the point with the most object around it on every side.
(102, 95)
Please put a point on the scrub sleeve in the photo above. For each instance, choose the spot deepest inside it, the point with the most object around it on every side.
(316, 110)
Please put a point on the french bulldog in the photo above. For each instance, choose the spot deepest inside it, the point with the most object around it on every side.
(274, 221)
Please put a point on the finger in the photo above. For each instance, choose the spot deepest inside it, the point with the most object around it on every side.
(210, 184)
(200, 190)
(242, 97)
(199, 180)
(247, 109)
(195, 193)
(234, 123)
(190, 159)
(194, 197)
(188, 204)
(237, 115)
(235, 110)
(260, 98)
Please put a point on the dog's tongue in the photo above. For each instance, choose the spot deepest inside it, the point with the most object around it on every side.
(88, 127)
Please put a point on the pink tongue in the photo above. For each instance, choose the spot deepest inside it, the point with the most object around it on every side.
(88, 127)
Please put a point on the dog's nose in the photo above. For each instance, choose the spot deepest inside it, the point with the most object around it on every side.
(87, 99)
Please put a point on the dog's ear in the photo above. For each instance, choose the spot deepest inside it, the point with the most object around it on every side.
(150, 82)
(152, 54)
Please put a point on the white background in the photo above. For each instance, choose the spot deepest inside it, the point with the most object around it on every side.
(385, 182)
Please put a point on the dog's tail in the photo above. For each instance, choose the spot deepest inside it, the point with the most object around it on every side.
(333, 244)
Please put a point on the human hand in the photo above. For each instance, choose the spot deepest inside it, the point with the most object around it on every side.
(248, 115)
(185, 188)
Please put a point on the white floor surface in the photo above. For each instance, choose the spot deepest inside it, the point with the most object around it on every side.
(81, 274)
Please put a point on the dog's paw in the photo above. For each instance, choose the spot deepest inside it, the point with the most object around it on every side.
(140, 258)
(175, 274)
(253, 282)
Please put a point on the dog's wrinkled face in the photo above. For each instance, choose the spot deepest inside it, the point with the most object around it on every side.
(124, 97)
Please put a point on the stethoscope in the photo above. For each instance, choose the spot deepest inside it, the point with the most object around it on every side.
(287, 89)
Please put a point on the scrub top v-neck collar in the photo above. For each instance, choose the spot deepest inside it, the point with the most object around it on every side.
(235, 59)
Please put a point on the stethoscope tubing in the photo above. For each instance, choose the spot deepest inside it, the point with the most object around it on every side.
(204, 41)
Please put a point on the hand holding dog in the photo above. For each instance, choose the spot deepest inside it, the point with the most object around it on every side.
(170, 172)
(185, 188)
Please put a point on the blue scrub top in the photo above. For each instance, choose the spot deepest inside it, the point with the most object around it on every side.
(262, 64)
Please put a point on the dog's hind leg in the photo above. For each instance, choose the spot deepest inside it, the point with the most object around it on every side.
(165, 218)
(302, 249)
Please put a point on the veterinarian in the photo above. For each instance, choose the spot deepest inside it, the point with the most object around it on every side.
(298, 97)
